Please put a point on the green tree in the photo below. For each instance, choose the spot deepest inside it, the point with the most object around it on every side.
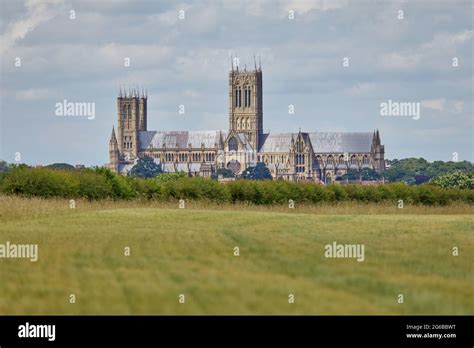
(366, 174)
(226, 173)
(457, 179)
(61, 166)
(351, 175)
(418, 170)
(145, 168)
(258, 172)
(3, 166)
(171, 177)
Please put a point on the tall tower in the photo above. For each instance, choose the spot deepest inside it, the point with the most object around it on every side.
(378, 153)
(246, 103)
(142, 112)
(132, 118)
(113, 153)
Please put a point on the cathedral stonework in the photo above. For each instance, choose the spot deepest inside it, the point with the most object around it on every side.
(318, 156)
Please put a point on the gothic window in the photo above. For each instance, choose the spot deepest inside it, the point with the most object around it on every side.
(238, 97)
(341, 159)
(318, 160)
(365, 160)
(128, 116)
(248, 123)
(300, 146)
(247, 96)
(354, 160)
(238, 123)
(330, 160)
(233, 146)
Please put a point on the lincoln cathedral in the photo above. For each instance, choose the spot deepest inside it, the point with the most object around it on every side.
(318, 156)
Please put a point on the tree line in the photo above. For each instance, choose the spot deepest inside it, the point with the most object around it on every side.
(101, 183)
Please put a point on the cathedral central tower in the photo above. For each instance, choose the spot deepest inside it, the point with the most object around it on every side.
(132, 118)
(246, 104)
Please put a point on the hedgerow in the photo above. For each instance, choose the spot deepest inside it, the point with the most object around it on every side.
(101, 183)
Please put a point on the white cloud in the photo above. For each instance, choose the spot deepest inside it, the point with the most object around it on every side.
(400, 61)
(37, 12)
(434, 104)
(442, 104)
(33, 94)
(362, 89)
(447, 41)
(304, 6)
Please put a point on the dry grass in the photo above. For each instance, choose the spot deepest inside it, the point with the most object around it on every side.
(14, 207)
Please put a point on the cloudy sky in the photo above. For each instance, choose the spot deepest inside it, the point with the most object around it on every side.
(416, 52)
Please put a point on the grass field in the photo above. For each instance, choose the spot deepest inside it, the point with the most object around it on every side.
(191, 251)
